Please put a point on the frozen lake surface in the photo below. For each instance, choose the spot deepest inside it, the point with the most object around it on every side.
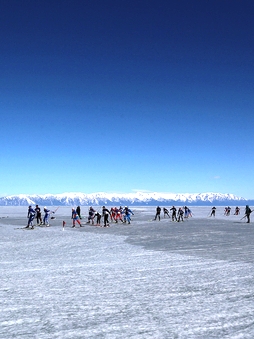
(192, 279)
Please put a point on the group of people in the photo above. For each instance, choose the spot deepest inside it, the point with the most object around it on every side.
(184, 212)
(121, 214)
(177, 215)
(35, 213)
(115, 214)
(227, 211)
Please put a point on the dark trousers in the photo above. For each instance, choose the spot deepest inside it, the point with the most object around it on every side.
(157, 215)
(106, 219)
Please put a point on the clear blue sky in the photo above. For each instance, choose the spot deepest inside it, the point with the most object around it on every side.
(123, 95)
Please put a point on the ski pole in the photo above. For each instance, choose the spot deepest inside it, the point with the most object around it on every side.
(56, 209)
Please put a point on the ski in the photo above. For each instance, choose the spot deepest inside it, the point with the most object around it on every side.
(25, 228)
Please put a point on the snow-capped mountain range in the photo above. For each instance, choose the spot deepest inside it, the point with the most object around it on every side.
(116, 199)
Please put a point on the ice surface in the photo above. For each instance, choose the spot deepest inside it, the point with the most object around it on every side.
(145, 280)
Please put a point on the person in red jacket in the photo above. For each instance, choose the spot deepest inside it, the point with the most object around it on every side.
(75, 217)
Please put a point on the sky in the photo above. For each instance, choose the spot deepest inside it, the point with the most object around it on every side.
(126, 95)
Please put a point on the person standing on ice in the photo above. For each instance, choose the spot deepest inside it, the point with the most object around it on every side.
(46, 216)
(127, 214)
(213, 212)
(98, 218)
(158, 213)
(237, 211)
(118, 215)
(91, 215)
(227, 211)
(186, 212)
(247, 213)
(189, 213)
(173, 209)
(112, 213)
(75, 217)
(38, 215)
(121, 211)
(78, 212)
(30, 215)
(180, 214)
(166, 212)
(106, 214)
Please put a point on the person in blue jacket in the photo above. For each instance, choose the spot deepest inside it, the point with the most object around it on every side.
(127, 214)
(30, 215)
(46, 216)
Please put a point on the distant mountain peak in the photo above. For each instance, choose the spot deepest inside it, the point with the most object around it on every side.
(112, 199)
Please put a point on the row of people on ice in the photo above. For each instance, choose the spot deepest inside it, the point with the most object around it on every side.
(185, 212)
(177, 215)
(120, 214)
(227, 211)
(94, 217)
(115, 214)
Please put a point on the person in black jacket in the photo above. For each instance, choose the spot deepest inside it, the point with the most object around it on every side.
(180, 214)
(78, 210)
(166, 212)
(98, 218)
(158, 213)
(106, 214)
(38, 215)
(247, 213)
(213, 211)
(173, 209)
